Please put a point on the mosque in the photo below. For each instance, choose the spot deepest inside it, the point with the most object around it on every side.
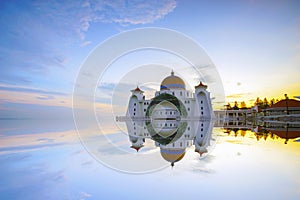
(175, 118)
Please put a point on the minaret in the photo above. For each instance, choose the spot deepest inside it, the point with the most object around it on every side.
(136, 142)
(203, 101)
(203, 137)
(135, 106)
(138, 93)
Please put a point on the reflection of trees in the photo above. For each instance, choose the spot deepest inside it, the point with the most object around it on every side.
(263, 133)
(231, 130)
(243, 132)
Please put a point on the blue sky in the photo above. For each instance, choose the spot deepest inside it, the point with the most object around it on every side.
(255, 45)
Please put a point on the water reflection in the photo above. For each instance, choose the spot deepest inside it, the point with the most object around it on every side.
(283, 130)
(174, 140)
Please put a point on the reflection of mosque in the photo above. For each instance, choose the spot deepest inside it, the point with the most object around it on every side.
(175, 119)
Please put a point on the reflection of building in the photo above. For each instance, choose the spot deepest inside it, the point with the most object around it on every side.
(265, 129)
(283, 130)
(175, 118)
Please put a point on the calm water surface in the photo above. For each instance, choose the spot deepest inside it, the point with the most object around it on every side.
(45, 160)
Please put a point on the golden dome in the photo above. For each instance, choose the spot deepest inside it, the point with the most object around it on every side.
(172, 155)
(172, 82)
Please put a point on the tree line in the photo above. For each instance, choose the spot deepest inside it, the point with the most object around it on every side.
(265, 103)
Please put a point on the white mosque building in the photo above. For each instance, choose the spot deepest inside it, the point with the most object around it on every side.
(175, 118)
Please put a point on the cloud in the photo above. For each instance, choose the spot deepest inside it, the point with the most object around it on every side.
(38, 37)
(84, 195)
(78, 15)
(23, 148)
(85, 43)
(139, 12)
(30, 90)
(46, 97)
(37, 141)
(240, 95)
(21, 181)
(18, 102)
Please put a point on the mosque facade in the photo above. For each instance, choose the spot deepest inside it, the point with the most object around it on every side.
(175, 118)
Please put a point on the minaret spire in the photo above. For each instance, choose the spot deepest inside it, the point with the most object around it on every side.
(172, 73)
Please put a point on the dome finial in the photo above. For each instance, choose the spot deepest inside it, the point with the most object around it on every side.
(172, 73)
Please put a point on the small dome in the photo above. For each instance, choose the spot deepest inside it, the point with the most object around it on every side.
(172, 155)
(172, 82)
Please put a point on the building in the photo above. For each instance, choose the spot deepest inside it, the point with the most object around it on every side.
(175, 118)
(286, 107)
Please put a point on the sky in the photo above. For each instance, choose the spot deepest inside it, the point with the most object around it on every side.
(255, 46)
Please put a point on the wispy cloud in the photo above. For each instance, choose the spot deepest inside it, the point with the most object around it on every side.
(236, 96)
(84, 13)
(32, 142)
(30, 95)
(29, 90)
(37, 35)
(84, 195)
